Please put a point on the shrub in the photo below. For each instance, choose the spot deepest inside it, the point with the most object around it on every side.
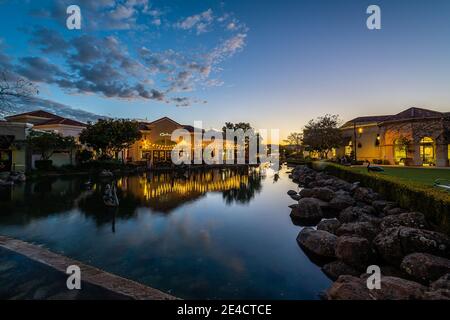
(296, 161)
(67, 168)
(44, 165)
(377, 161)
(435, 204)
(98, 165)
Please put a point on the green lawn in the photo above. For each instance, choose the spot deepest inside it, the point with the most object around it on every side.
(425, 176)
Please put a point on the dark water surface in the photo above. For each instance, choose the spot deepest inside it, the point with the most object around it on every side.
(219, 234)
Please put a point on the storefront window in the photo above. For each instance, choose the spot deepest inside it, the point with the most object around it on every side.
(400, 151)
(427, 151)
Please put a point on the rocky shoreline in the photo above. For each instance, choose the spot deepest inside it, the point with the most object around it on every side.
(347, 227)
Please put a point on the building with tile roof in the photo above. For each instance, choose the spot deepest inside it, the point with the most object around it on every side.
(14, 154)
(413, 137)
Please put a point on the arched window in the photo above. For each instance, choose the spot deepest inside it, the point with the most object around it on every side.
(400, 151)
(427, 151)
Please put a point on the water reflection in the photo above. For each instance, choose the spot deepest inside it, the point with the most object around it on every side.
(223, 234)
(161, 192)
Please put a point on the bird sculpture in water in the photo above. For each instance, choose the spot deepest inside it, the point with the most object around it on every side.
(374, 168)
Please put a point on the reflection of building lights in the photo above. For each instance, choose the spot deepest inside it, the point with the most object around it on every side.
(210, 183)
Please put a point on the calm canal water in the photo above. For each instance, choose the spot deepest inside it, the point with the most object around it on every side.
(219, 234)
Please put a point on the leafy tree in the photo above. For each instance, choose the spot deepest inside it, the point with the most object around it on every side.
(108, 136)
(294, 139)
(234, 126)
(322, 134)
(125, 134)
(98, 136)
(46, 143)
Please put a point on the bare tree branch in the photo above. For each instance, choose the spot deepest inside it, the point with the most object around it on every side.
(13, 88)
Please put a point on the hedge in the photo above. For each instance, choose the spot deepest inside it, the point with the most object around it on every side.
(433, 203)
(44, 165)
(292, 161)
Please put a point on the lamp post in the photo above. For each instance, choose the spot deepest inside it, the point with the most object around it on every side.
(354, 142)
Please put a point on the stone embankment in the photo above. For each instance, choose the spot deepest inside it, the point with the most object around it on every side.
(347, 227)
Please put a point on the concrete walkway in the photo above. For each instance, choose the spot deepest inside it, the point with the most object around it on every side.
(28, 271)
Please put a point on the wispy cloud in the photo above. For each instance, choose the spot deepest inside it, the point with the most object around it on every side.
(114, 58)
(200, 22)
(99, 14)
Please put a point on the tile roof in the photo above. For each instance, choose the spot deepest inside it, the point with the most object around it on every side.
(164, 118)
(408, 114)
(64, 121)
(52, 118)
(366, 120)
(415, 113)
(37, 113)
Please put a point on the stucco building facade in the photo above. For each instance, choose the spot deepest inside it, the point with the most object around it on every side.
(15, 156)
(413, 137)
(155, 146)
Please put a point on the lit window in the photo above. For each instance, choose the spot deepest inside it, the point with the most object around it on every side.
(427, 151)
(400, 151)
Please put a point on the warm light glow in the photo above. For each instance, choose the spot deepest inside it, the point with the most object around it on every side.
(164, 184)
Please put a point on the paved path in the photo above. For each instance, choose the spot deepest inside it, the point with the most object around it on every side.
(28, 271)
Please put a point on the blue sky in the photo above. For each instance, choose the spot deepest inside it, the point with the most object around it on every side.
(275, 64)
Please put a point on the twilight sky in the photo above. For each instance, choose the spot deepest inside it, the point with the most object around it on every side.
(275, 64)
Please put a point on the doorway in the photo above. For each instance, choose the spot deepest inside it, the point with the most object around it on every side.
(427, 151)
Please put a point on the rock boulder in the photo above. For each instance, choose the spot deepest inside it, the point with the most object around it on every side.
(309, 210)
(407, 219)
(338, 268)
(354, 251)
(323, 193)
(425, 267)
(393, 244)
(361, 229)
(321, 243)
(341, 201)
(329, 225)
